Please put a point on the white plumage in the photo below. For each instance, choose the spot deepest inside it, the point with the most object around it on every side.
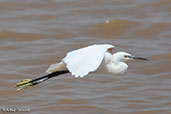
(94, 58)
(82, 61)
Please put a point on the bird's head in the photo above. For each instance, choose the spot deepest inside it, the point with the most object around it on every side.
(123, 56)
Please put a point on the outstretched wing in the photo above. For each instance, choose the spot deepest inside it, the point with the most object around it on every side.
(82, 61)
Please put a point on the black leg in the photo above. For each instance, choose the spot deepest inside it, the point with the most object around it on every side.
(26, 83)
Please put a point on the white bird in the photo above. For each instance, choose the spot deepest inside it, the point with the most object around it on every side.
(96, 58)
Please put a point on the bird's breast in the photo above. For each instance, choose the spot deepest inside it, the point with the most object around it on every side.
(112, 68)
(117, 68)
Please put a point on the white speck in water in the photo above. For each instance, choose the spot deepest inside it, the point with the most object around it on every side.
(107, 21)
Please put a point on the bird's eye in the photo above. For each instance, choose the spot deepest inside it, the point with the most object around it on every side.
(126, 56)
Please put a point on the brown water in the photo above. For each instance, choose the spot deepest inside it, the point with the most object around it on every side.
(37, 33)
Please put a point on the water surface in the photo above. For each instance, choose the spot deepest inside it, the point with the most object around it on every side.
(37, 33)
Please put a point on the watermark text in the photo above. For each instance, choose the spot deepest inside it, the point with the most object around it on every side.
(7, 109)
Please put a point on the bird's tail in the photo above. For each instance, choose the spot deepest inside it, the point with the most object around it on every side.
(56, 67)
(26, 83)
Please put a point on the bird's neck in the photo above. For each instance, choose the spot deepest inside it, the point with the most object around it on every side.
(116, 60)
(119, 66)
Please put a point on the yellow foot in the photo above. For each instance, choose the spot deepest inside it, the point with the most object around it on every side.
(23, 84)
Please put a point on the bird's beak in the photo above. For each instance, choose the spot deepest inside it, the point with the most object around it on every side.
(140, 58)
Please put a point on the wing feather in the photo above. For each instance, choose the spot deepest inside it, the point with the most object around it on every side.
(82, 61)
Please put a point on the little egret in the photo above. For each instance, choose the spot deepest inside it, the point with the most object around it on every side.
(96, 58)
